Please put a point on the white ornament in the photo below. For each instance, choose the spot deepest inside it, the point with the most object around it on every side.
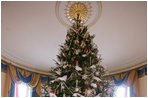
(52, 95)
(76, 89)
(84, 77)
(97, 73)
(62, 78)
(96, 78)
(77, 51)
(94, 85)
(67, 37)
(78, 68)
(85, 35)
(84, 55)
(64, 95)
(58, 72)
(43, 91)
(65, 66)
(93, 66)
(90, 93)
(77, 95)
(95, 46)
(83, 44)
(76, 41)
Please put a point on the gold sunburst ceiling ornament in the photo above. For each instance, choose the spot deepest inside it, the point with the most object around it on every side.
(89, 12)
(73, 9)
(78, 8)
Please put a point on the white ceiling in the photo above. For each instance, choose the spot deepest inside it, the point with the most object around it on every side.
(31, 33)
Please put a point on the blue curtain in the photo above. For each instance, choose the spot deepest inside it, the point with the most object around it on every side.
(121, 80)
(3, 66)
(47, 79)
(24, 78)
(142, 71)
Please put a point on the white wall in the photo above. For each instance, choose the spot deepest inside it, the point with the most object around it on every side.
(143, 86)
(3, 80)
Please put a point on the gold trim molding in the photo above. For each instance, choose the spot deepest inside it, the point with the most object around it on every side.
(25, 66)
(127, 68)
(48, 73)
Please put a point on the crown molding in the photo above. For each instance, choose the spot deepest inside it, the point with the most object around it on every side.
(48, 73)
(128, 68)
(22, 66)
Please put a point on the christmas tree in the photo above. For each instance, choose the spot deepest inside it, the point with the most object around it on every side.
(79, 72)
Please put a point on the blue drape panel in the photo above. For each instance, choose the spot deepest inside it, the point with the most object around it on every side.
(142, 71)
(25, 79)
(3, 66)
(120, 81)
(34, 93)
(12, 89)
(45, 79)
(132, 93)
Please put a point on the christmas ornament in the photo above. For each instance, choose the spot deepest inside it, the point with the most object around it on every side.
(93, 67)
(85, 35)
(84, 55)
(85, 89)
(84, 77)
(76, 41)
(77, 95)
(53, 92)
(77, 51)
(83, 43)
(90, 92)
(100, 84)
(65, 66)
(94, 85)
(52, 95)
(96, 78)
(58, 72)
(78, 68)
(97, 73)
(62, 78)
(86, 49)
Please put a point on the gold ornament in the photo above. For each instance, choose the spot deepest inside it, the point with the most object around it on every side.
(72, 11)
(78, 8)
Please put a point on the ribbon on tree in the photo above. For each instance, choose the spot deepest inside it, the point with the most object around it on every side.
(85, 89)
(100, 84)
(53, 92)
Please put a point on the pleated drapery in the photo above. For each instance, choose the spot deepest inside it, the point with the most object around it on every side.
(14, 75)
(34, 80)
(130, 79)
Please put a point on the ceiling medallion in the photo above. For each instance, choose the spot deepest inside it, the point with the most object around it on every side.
(83, 9)
(89, 12)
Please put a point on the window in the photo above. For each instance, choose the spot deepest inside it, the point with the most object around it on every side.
(122, 91)
(22, 90)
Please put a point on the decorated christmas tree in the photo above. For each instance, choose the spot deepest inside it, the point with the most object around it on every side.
(78, 72)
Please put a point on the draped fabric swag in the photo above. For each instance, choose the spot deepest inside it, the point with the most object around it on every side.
(130, 79)
(15, 75)
(34, 80)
